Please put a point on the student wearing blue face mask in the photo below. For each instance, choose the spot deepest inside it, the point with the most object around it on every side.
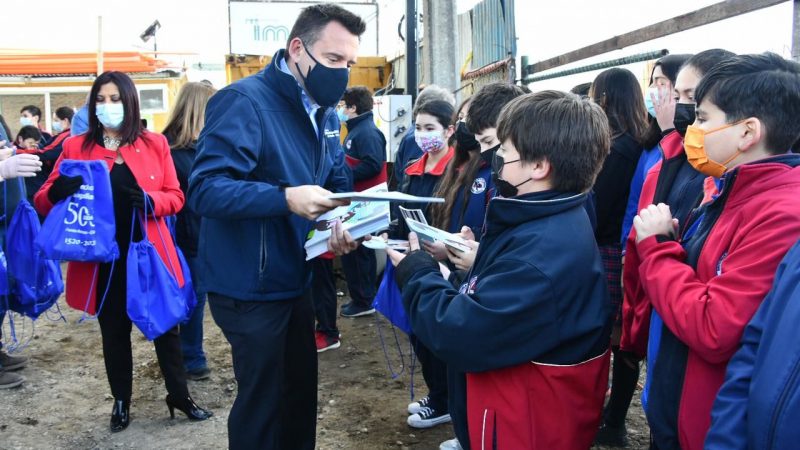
(31, 115)
(626, 376)
(62, 120)
(365, 152)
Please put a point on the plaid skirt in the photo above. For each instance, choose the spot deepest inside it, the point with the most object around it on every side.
(612, 264)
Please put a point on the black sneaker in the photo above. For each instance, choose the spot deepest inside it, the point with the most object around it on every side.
(10, 380)
(611, 436)
(8, 362)
(427, 417)
(415, 407)
(203, 373)
(353, 310)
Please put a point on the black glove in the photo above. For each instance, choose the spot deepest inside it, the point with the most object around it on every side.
(137, 199)
(63, 187)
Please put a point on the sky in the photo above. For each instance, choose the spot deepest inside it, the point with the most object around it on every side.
(196, 31)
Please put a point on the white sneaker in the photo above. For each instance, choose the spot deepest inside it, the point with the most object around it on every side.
(451, 444)
(415, 407)
(427, 418)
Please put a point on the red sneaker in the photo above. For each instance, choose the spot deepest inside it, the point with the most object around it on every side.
(325, 342)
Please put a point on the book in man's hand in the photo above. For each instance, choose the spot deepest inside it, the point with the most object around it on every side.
(359, 218)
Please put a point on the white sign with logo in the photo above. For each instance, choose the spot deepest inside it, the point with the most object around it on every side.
(262, 28)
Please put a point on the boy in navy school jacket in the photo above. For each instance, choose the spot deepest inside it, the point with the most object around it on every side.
(531, 324)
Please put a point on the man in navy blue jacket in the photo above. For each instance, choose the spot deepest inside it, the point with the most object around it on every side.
(759, 404)
(365, 151)
(268, 157)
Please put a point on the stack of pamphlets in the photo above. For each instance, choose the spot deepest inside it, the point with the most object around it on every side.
(359, 218)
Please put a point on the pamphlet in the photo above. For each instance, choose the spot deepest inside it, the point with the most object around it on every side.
(384, 196)
(430, 234)
(359, 218)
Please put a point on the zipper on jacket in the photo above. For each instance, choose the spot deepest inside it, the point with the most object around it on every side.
(781, 405)
(262, 256)
(322, 146)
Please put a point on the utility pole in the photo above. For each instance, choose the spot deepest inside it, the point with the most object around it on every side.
(411, 49)
(441, 42)
(796, 31)
(99, 45)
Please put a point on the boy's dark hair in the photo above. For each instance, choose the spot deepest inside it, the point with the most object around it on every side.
(581, 89)
(487, 103)
(65, 112)
(131, 127)
(571, 132)
(314, 18)
(619, 93)
(763, 86)
(360, 97)
(705, 60)
(34, 110)
(442, 110)
(29, 132)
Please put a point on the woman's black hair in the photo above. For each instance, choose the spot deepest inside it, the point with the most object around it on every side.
(670, 66)
(131, 127)
(440, 109)
(619, 93)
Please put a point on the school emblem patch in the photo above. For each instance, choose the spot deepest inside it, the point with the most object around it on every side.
(469, 287)
(478, 186)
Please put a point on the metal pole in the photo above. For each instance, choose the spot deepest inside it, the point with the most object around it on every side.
(99, 45)
(411, 49)
(530, 78)
(796, 31)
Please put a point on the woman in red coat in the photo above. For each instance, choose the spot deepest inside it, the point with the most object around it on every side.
(137, 160)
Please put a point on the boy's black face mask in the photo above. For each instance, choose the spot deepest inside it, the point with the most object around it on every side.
(465, 139)
(684, 116)
(504, 188)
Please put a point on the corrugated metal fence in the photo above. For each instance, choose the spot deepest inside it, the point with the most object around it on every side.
(493, 35)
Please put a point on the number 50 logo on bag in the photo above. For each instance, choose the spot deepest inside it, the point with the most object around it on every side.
(79, 215)
(81, 227)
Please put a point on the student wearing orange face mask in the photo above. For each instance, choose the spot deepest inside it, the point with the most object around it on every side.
(705, 276)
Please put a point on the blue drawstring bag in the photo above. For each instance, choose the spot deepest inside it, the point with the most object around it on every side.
(155, 301)
(4, 286)
(38, 282)
(4, 291)
(81, 227)
(188, 284)
(389, 301)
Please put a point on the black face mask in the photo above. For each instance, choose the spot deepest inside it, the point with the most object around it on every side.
(684, 116)
(324, 84)
(504, 188)
(466, 140)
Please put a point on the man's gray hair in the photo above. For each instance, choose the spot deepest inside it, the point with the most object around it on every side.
(433, 92)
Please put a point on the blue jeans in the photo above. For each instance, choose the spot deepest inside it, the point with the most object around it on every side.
(192, 331)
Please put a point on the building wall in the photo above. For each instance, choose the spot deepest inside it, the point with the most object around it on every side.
(10, 105)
